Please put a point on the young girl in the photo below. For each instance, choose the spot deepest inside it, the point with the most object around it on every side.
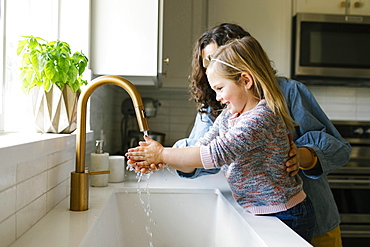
(248, 140)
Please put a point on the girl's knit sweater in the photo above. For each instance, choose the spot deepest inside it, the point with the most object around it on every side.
(251, 149)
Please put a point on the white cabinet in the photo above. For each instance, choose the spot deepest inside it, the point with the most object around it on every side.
(142, 39)
(125, 39)
(268, 21)
(350, 7)
(183, 22)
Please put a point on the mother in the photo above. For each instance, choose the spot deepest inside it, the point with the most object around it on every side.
(321, 149)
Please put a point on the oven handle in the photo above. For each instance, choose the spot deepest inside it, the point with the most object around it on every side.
(335, 183)
(350, 181)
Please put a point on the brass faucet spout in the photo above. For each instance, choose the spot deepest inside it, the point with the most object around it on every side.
(79, 178)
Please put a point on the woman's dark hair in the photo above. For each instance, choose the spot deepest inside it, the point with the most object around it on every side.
(200, 90)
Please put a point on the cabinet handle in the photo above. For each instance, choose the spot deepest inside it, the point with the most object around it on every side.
(357, 4)
(166, 60)
(343, 4)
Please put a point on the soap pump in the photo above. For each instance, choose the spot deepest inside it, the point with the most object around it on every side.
(99, 167)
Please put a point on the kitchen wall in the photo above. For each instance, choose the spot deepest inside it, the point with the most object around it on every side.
(34, 177)
(343, 103)
(175, 116)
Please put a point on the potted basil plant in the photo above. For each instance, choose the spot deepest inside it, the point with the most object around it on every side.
(52, 75)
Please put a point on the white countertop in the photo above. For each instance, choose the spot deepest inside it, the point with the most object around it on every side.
(62, 227)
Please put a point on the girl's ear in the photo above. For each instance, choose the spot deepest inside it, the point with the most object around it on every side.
(247, 79)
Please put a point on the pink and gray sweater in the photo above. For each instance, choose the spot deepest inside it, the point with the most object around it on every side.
(251, 149)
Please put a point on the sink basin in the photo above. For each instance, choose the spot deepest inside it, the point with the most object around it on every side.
(170, 217)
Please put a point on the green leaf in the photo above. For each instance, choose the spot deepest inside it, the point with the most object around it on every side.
(49, 70)
(45, 63)
(21, 45)
(47, 85)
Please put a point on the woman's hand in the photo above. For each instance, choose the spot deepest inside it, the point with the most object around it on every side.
(292, 163)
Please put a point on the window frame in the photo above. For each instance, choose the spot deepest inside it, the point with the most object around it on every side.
(2, 44)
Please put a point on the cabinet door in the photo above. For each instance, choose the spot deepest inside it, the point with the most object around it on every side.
(124, 37)
(268, 21)
(183, 22)
(359, 7)
(350, 7)
(321, 7)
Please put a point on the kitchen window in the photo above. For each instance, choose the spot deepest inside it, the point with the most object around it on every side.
(17, 22)
(1, 62)
(48, 19)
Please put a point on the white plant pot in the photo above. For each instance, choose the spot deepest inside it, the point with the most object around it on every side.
(55, 111)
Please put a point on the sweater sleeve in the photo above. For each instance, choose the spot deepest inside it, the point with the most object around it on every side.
(315, 130)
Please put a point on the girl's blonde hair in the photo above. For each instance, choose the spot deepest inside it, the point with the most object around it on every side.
(247, 55)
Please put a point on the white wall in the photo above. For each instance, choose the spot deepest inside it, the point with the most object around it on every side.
(175, 116)
(34, 178)
(343, 103)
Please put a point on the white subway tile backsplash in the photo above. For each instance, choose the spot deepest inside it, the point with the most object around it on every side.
(363, 95)
(31, 189)
(339, 107)
(343, 103)
(175, 116)
(7, 205)
(61, 156)
(341, 116)
(30, 168)
(7, 231)
(29, 215)
(34, 177)
(8, 176)
(59, 173)
(57, 194)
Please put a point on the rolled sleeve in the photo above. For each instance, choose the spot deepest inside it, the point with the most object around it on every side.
(206, 157)
(332, 152)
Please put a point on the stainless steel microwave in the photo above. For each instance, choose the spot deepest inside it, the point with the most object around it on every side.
(331, 48)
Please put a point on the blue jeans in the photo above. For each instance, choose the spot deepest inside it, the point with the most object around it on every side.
(301, 218)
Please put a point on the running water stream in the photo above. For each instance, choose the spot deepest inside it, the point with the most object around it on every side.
(146, 205)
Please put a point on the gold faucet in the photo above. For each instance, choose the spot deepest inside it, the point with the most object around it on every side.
(80, 178)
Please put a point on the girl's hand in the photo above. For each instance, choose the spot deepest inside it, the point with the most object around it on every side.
(146, 155)
(292, 163)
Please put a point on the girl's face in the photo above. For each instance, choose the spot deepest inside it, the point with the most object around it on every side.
(237, 96)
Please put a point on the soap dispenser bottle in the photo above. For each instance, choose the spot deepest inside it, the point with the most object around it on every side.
(99, 166)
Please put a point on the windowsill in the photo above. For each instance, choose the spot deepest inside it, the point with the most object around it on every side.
(12, 139)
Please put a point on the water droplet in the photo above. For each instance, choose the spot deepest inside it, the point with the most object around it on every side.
(145, 133)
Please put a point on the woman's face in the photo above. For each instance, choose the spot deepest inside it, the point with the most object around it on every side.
(209, 50)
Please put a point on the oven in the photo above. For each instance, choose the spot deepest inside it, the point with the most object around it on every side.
(350, 185)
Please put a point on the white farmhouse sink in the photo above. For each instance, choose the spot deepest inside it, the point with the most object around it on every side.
(174, 217)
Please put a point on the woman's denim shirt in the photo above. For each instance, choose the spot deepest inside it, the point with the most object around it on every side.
(314, 130)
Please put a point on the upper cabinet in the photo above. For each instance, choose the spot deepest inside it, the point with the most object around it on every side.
(125, 39)
(268, 21)
(348, 7)
(183, 22)
(149, 42)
